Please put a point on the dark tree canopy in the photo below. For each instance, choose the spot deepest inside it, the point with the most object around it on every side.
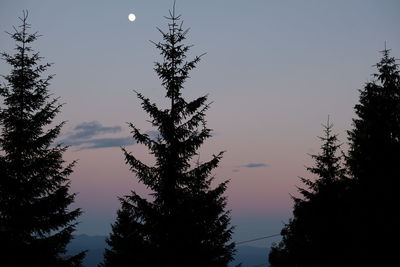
(35, 222)
(374, 162)
(313, 236)
(185, 223)
(375, 138)
(353, 222)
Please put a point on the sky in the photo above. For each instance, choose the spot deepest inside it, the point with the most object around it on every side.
(274, 71)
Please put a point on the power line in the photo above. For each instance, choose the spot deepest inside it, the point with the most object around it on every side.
(256, 239)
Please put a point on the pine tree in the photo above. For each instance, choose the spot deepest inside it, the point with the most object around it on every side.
(35, 222)
(374, 163)
(313, 237)
(185, 224)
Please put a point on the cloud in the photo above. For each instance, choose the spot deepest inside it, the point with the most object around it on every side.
(82, 136)
(90, 129)
(154, 135)
(255, 165)
(101, 142)
(83, 133)
(250, 165)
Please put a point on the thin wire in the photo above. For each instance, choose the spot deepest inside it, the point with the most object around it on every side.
(256, 239)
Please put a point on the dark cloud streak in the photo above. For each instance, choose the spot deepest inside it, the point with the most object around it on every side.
(90, 129)
(101, 142)
(250, 165)
(82, 136)
(255, 165)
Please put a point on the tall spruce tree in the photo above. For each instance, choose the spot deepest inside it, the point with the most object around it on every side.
(35, 222)
(374, 162)
(313, 237)
(186, 223)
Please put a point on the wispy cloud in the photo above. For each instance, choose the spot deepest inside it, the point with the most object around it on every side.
(250, 165)
(101, 142)
(83, 133)
(154, 135)
(90, 129)
(255, 165)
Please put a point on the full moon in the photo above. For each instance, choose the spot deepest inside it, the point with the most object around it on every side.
(131, 17)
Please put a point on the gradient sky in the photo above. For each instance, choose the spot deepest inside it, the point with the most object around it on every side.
(274, 70)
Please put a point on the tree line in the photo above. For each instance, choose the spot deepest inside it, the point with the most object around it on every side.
(346, 214)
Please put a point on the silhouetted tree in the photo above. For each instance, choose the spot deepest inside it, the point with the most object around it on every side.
(35, 222)
(185, 224)
(313, 236)
(374, 162)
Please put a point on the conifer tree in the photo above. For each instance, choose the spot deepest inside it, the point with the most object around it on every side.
(374, 163)
(186, 223)
(313, 236)
(35, 222)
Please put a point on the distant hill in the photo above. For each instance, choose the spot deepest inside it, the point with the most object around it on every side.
(95, 246)
(248, 256)
(251, 256)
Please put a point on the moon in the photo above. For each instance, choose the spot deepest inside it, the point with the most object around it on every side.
(131, 17)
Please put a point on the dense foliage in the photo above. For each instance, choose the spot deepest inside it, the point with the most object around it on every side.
(374, 162)
(185, 223)
(314, 235)
(352, 221)
(35, 222)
